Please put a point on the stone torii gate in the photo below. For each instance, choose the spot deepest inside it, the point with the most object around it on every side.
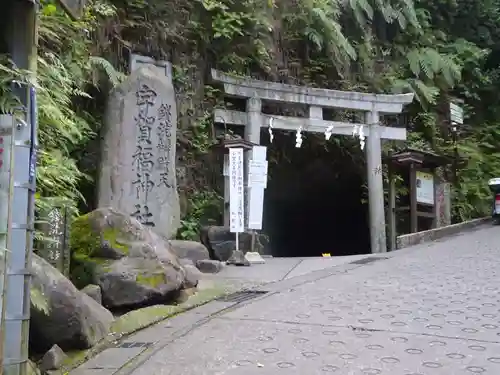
(372, 105)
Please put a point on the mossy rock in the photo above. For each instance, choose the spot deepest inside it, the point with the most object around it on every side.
(102, 236)
(131, 264)
(85, 270)
(104, 233)
(132, 282)
(153, 280)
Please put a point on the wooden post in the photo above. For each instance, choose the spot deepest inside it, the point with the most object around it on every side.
(435, 208)
(392, 208)
(413, 199)
(55, 248)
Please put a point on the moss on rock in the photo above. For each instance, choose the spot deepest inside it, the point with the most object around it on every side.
(86, 243)
(83, 238)
(83, 242)
(109, 248)
(153, 280)
(109, 236)
(96, 239)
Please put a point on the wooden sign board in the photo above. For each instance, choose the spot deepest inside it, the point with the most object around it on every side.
(425, 187)
(74, 8)
(456, 114)
(54, 247)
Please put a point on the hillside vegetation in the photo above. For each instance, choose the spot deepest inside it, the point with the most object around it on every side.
(438, 49)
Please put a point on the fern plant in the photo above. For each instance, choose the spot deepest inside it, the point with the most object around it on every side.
(66, 68)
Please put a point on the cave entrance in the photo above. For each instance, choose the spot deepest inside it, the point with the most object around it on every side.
(315, 201)
(356, 112)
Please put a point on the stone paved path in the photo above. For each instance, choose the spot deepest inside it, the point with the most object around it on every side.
(433, 309)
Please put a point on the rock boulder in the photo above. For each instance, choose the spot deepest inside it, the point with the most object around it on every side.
(209, 266)
(221, 243)
(61, 314)
(130, 282)
(192, 250)
(53, 359)
(132, 265)
(193, 276)
(94, 292)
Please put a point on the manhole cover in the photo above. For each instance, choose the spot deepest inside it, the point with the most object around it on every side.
(242, 296)
(367, 260)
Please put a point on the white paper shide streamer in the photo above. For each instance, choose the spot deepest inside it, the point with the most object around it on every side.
(298, 137)
(328, 132)
(358, 131)
(270, 130)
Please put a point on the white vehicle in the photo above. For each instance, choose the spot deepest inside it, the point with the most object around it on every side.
(494, 185)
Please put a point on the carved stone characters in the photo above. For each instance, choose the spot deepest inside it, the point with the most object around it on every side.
(137, 173)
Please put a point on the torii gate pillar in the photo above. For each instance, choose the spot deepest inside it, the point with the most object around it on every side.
(375, 184)
(252, 130)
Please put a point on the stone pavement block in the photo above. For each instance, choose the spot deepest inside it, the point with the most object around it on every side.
(187, 318)
(152, 334)
(449, 291)
(316, 264)
(112, 358)
(211, 308)
(273, 270)
(85, 371)
(230, 347)
(164, 330)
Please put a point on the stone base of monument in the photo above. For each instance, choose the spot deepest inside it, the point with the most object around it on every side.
(238, 259)
(254, 257)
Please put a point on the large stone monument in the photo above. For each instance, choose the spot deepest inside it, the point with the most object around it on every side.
(137, 173)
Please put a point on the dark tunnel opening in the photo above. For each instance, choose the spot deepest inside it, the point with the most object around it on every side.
(316, 206)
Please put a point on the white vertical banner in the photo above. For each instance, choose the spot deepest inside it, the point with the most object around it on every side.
(236, 191)
(257, 182)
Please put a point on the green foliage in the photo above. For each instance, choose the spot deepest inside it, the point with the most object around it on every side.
(65, 70)
(226, 23)
(435, 49)
(39, 300)
(204, 206)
